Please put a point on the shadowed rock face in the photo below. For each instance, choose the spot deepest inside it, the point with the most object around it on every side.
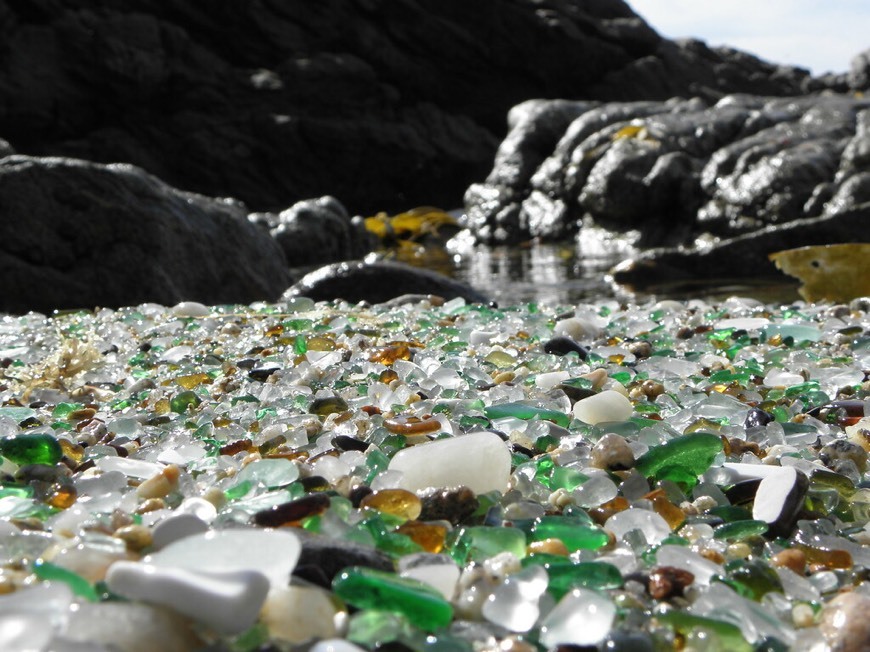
(76, 234)
(384, 104)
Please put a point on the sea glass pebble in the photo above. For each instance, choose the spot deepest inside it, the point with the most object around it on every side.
(230, 550)
(177, 527)
(479, 461)
(228, 601)
(608, 405)
(30, 617)
(514, 603)
(582, 617)
(438, 571)
(298, 614)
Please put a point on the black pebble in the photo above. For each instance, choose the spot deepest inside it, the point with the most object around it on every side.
(563, 346)
(757, 417)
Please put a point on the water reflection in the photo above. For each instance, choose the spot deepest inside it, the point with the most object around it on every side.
(544, 273)
(568, 273)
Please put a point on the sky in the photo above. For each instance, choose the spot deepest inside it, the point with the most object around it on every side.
(821, 35)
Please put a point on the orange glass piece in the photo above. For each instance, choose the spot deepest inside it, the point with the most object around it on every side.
(428, 536)
(398, 502)
(412, 425)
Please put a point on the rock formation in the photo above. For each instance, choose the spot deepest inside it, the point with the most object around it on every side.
(385, 104)
(668, 173)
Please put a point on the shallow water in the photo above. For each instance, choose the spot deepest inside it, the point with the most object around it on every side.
(563, 274)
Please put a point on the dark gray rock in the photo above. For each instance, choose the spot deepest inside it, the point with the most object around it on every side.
(75, 234)
(741, 257)
(672, 170)
(385, 104)
(317, 231)
(378, 282)
(322, 558)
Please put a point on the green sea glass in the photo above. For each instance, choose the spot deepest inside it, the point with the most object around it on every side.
(681, 459)
(575, 534)
(565, 574)
(480, 542)
(366, 588)
(31, 449)
(526, 412)
(181, 402)
(52, 573)
(739, 530)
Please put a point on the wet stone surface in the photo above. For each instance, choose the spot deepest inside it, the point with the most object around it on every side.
(433, 477)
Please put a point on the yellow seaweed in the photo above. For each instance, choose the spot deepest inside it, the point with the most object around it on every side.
(630, 131)
(410, 225)
(837, 272)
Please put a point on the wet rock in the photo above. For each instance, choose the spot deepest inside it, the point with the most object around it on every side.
(317, 231)
(76, 234)
(740, 257)
(377, 282)
(672, 170)
(348, 101)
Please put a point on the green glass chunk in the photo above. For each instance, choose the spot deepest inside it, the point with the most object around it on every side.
(366, 588)
(681, 459)
(375, 627)
(63, 410)
(239, 490)
(751, 579)
(575, 534)
(31, 449)
(727, 635)
(526, 412)
(566, 575)
(566, 478)
(183, 401)
(381, 526)
(739, 530)
(377, 462)
(579, 383)
(480, 542)
(323, 407)
(52, 573)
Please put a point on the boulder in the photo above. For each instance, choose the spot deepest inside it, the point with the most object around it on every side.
(378, 282)
(671, 170)
(384, 104)
(75, 234)
(317, 231)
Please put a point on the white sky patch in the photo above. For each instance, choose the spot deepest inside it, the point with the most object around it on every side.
(821, 35)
